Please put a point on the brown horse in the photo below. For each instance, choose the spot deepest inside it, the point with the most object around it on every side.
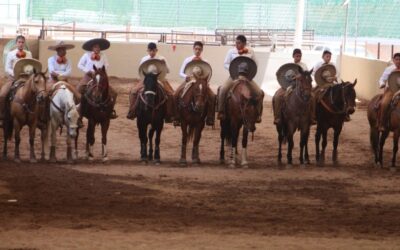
(296, 115)
(24, 109)
(97, 106)
(241, 110)
(193, 111)
(333, 106)
(377, 138)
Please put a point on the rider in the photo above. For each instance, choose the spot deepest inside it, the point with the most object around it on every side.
(58, 64)
(387, 94)
(12, 57)
(152, 54)
(239, 50)
(94, 57)
(197, 50)
(326, 60)
(279, 96)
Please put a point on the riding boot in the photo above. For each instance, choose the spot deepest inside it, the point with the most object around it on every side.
(210, 111)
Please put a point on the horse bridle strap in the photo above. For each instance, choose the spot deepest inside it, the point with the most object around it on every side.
(153, 93)
(330, 110)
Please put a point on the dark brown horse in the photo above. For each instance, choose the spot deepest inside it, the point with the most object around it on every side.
(241, 110)
(97, 106)
(151, 110)
(377, 138)
(193, 111)
(24, 109)
(296, 115)
(334, 104)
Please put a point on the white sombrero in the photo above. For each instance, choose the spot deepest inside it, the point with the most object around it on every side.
(61, 44)
(394, 81)
(286, 74)
(199, 69)
(26, 66)
(325, 75)
(154, 66)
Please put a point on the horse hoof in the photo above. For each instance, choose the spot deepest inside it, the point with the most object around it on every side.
(157, 162)
(105, 159)
(378, 165)
(196, 161)
(17, 160)
(289, 166)
(53, 160)
(222, 161)
(90, 158)
(232, 165)
(245, 165)
(70, 162)
(303, 165)
(33, 160)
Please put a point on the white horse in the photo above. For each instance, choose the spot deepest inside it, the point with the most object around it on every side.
(63, 111)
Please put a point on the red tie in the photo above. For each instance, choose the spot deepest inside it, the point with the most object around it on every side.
(196, 58)
(95, 57)
(21, 54)
(61, 60)
(243, 51)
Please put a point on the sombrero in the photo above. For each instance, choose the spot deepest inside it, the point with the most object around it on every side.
(103, 43)
(25, 67)
(243, 64)
(154, 66)
(325, 75)
(394, 81)
(61, 44)
(192, 68)
(286, 74)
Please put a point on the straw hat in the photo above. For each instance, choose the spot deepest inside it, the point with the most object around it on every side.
(286, 74)
(61, 44)
(154, 66)
(394, 81)
(325, 75)
(103, 43)
(25, 67)
(243, 64)
(198, 69)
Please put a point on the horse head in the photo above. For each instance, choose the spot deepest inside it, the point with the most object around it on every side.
(100, 84)
(304, 84)
(350, 96)
(150, 88)
(248, 104)
(199, 94)
(37, 83)
(71, 116)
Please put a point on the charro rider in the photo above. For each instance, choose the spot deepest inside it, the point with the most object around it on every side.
(12, 57)
(239, 50)
(286, 76)
(58, 65)
(152, 54)
(94, 57)
(389, 77)
(187, 74)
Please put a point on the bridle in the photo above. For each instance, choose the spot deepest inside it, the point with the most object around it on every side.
(333, 108)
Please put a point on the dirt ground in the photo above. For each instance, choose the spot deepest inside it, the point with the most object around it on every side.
(125, 204)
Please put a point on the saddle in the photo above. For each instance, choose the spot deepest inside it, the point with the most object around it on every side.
(63, 84)
(188, 85)
(17, 84)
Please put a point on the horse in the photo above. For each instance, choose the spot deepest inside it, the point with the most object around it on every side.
(241, 111)
(23, 109)
(377, 138)
(151, 110)
(334, 104)
(193, 111)
(97, 106)
(63, 111)
(296, 115)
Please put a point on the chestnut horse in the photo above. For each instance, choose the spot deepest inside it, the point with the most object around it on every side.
(377, 138)
(97, 106)
(193, 111)
(241, 110)
(296, 115)
(23, 109)
(334, 104)
(151, 110)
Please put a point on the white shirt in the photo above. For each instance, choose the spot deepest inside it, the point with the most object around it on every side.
(303, 66)
(146, 58)
(185, 62)
(61, 69)
(12, 59)
(86, 63)
(386, 74)
(233, 53)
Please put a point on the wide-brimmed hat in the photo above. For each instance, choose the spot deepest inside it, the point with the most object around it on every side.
(394, 81)
(61, 44)
(192, 68)
(243, 64)
(103, 43)
(25, 66)
(155, 66)
(325, 75)
(286, 74)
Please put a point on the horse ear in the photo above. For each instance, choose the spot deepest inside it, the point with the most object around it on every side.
(355, 82)
(103, 68)
(94, 67)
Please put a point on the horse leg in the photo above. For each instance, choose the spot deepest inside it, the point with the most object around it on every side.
(143, 140)
(17, 129)
(157, 157)
(280, 141)
(306, 156)
(184, 128)
(90, 140)
(381, 145)
(43, 137)
(53, 136)
(235, 135)
(290, 148)
(222, 149)
(324, 144)
(4, 145)
(374, 141)
(336, 135)
(244, 162)
(151, 134)
(396, 135)
(32, 131)
(317, 141)
(75, 154)
(70, 160)
(196, 142)
(104, 128)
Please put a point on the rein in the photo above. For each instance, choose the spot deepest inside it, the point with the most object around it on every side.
(94, 103)
(332, 102)
(153, 93)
